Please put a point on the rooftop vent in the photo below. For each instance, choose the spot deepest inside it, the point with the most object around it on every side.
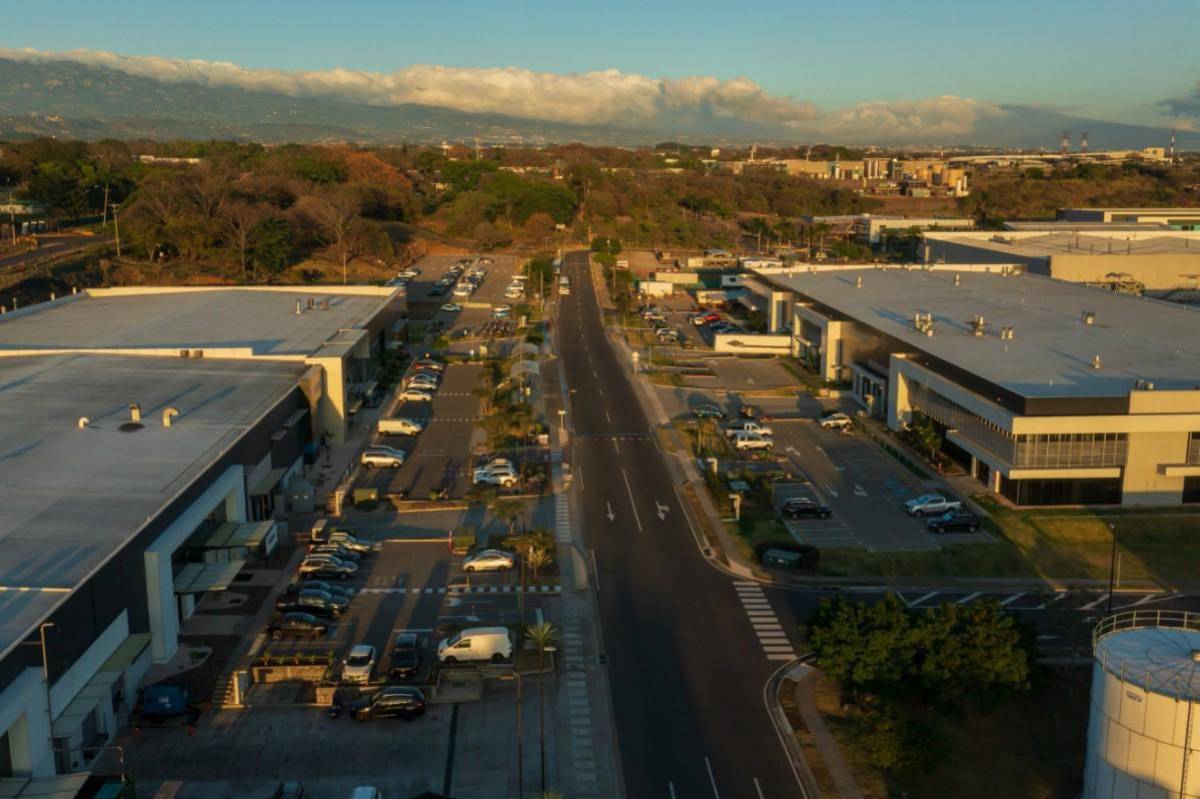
(958, 280)
(1006, 332)
(923, 322)
(1143, 385)
(858, 282)
(1095, 361)
(978, 326)
(323, 305)
(299, 307)
(135, 419)
(83, 422)
(169, 415)
(1089, 317)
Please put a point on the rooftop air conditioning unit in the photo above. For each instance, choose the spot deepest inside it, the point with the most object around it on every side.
(1089, 317)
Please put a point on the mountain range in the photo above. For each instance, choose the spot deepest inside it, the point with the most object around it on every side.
(68, 99)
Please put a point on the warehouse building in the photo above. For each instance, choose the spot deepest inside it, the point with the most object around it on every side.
(149, 436)
(1050, 392)
(1141, 256)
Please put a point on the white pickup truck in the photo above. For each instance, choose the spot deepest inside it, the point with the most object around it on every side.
(931, 505)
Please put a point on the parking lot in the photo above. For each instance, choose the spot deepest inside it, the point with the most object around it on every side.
(490, 292)
(865, 488)
(440, 456)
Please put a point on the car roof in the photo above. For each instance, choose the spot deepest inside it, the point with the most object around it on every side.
(407, 638)
(483, 631)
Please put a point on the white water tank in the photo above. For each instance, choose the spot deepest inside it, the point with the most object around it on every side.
(1145, 707)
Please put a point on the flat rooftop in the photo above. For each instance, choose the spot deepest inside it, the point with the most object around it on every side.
(1051, 352)
(264, 321)
(70, 497)
(1098, 242)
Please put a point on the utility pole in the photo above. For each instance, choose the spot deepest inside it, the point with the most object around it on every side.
(104, 210)
(1112, 568)
(117, 229)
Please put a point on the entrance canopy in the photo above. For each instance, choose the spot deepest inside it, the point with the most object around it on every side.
(199, 578)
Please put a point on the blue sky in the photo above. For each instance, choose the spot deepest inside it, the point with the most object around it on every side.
(1113, 60)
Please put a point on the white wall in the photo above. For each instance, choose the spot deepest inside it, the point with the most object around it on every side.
(160, 594)
(23, 716)
(85, 667)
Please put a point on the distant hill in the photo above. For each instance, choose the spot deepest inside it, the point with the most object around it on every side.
(72, 100)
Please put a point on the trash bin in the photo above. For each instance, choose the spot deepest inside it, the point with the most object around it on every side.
(781, 559)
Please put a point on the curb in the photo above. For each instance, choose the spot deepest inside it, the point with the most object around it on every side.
(805, 780)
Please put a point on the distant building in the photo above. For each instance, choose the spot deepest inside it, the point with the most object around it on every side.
(166, 160)
(870, 229)
(1173, 218)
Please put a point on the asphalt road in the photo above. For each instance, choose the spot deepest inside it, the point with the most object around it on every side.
(49, 245)
(686, 665)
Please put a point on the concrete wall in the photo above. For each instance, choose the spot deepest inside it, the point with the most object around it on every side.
(1144, 482)
(1155, 272)
(229, 489)
(23, 715)
(935, 250)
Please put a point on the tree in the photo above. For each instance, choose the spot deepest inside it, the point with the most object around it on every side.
(509, 511)
(865, 646)
(972, 653)
(926, 435)
(272, 246)
(240, 220)
(538, 227)
(542, 636)
(335, 214)
(539, 557)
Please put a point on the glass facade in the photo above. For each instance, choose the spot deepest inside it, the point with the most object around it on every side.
(956, 417)
(1070, 450)
(1193, 456)
(1101, 491)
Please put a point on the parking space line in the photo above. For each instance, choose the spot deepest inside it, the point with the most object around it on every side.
(970, 597)
(1013, 598)
(923, 599)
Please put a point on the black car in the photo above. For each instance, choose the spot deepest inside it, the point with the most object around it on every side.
(954, 521)
(297, 624)
(406, 657)
(311, 600)
(752, 412)
(707, 411)
(796, 507)
(317, 585)
(390, 702)
(437, 290)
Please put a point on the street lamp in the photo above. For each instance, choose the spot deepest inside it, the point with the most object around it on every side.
(562, 421)
(1112, 567)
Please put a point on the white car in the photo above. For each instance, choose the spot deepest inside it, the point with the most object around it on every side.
(400, 427)
(411, 272)
(514, 294)
(496, 476)
(359, 664)
(382, 456)
(422, 380)
(748, 426)
(836, 421)
(489, 560)
(451, 307)
(746, 441)
(415, 394)
(463, 290)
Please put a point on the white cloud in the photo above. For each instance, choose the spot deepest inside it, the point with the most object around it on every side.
(601, 97)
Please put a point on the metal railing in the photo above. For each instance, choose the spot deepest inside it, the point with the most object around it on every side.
(1136, 672)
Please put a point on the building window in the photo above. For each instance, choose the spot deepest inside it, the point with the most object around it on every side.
(1191, 489)
(1100, 491)
(1070, 450)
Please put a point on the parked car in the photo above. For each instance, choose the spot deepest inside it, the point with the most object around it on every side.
(348, 540)
(366, 792)
(752, 412)
(422, 381)
(747, 426)
(406, 657)
(451, 307)
(475, 644)
(382, 456)
(931, 505)
(289, 790)
(359, 664)
(501, 311)
(401, 426)
(297, 624)
(411, 272)
(488, 461)
(393, 701)
(315, 601)
(797, 507)
(745, 441)
(700, 320)
(463, 290)
(415, 395)
(429, 363)
(437, 290)
(317, 585)
(489, 560)
(836, 421)
(337, 550)
(954, 521)
(496, 475)
(322, 566)
(707, 410)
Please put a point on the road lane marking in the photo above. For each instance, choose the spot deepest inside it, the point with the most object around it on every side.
(632, 502)
(832, 490)
(1093, 604)
(859, 490)
(970, 597)
(595, 568)
(758, 788)
(1011, 599)
(671, 788)
(663, 510)
(923, 599)
(712, 779)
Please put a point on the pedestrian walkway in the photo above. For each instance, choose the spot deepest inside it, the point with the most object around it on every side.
(579, 708)
(775, 642)
(464, 589)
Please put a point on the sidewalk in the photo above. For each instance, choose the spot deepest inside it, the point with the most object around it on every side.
(799, 680)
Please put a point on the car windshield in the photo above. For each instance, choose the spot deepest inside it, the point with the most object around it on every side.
(358, 660)
(454, 639)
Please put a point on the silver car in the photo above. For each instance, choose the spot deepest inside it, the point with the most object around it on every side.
(382, 456)
(489, 560)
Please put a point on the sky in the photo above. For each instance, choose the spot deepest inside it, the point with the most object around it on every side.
(1117, 61)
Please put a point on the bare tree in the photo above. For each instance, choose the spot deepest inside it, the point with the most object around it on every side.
(239, 220)
(208, 188)
(336, 216)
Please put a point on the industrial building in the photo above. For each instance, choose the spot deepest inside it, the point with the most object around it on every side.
(1172, 218)
(150, 437)
(1049, 392)
(1144, 256)
(870, 229)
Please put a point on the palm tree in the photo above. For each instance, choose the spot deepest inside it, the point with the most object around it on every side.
(542, 636)
(509, 510)
(537, 557)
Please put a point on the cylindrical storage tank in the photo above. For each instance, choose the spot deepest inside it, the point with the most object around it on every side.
(1145, 708)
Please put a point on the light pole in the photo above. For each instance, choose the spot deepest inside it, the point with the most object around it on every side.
(116, 228)
(562, 422)
(46, 676)
(542, 711)
(1112, 567)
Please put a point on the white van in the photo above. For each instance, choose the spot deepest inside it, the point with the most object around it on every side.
(366, 792)
(477, 643)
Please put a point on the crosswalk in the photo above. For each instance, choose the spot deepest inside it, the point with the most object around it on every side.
(771, 637)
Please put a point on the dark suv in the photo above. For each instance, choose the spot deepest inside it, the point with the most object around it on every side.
(796, 507)
(297, 624)
(315, 601)
(393, 701)
(954, 521)
(406, 657)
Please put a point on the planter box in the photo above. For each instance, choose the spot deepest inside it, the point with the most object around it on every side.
(289, 673)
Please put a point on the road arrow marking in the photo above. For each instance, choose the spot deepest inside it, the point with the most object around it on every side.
(832, 491)
(611, 516)
(859, 490)
(663, 510)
